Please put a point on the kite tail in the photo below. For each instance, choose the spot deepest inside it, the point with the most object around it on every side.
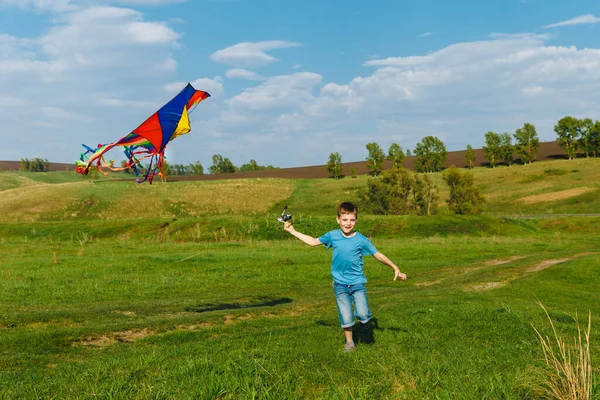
(84, 163)
(155, 168)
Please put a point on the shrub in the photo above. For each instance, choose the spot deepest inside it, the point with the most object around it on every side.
(464, 197)
(397, 191)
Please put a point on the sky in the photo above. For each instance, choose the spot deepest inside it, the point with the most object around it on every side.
(292, 81)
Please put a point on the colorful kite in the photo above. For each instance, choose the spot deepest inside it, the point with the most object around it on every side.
(149, 140)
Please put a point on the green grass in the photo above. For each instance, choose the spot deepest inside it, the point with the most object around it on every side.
(186, 302)
(258, 317)
(510, 190)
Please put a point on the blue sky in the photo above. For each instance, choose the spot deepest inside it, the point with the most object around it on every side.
(292, 82)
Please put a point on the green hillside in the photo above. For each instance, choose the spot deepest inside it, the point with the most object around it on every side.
(549, 187)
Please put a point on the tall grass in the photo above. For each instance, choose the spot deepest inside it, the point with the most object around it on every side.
(568, 368)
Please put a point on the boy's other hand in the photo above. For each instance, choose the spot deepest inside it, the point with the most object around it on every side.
(398, 274)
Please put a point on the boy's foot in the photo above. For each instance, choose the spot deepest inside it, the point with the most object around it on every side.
(349, 346)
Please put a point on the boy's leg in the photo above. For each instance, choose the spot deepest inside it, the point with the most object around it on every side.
(361, 304)
(348, 336)
(343, 299)
(363, 313)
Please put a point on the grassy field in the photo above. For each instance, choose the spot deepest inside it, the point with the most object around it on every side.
(191, 290)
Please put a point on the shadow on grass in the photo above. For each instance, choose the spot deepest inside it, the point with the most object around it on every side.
(260, 302)
(363, 333)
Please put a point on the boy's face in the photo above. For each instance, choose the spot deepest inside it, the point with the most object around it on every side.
(347, 222)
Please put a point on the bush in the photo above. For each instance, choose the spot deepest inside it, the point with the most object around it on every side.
(399, 192)
(464, 197)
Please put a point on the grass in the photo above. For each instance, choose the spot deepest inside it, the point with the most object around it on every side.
(111, 200)
(569, 373)
(507, 189)
(143, 293)
(111, 318)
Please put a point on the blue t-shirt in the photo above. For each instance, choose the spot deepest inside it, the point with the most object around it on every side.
(346, 262)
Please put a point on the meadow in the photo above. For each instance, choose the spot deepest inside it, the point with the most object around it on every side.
(192, 290)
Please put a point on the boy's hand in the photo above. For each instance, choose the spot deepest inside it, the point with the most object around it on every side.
(287, 225)
(398, 274)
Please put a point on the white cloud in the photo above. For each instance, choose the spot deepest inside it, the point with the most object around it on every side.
(425, 34)
(214, 86)
(250, 54)
(533, 90)
(117, 103)
(244, 74)
(276, 93)
(582, 19)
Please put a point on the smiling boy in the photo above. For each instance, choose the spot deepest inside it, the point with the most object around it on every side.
(347, 265)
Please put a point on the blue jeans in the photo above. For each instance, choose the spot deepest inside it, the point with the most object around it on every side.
(345, 296)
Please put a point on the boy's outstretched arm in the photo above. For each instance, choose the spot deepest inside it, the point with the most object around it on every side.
(382, 258)
(309, 240)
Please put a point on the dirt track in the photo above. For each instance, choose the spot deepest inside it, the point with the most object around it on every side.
(546, 151)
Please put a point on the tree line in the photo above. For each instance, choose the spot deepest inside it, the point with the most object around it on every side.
(573, 136)
(220, 165)
(34, 165)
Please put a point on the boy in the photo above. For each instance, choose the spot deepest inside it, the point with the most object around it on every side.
(347, 265)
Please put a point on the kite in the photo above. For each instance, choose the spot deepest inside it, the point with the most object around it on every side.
(149, 140)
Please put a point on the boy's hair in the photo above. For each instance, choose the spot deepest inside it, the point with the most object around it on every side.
(347, 207)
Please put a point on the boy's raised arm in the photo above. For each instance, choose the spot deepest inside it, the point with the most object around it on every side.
(309, 240)
(382, 258)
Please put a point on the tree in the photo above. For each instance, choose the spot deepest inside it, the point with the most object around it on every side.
(25, 164)
(596, 139)
(398, 191)
(353, 172)
(391, 193)
(221, 165)
(527, 143)
(507, 151)
(464, 197)
(334, 165)
(567, 130)
(431, 154)
(197, 168)
(408, 153)
(180, 169)
(254, 166)
(470, 156)
(396, 154)
(589, 139)
(492, 148)
(425, 195)
(375, 158)
(251, 166)
(217, 160)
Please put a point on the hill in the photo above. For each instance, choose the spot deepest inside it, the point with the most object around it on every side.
(547, 151)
